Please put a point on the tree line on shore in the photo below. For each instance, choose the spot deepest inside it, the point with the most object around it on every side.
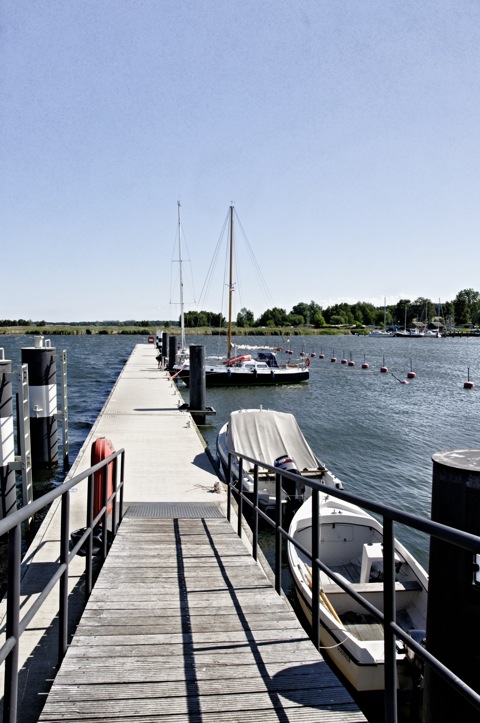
(464, 310)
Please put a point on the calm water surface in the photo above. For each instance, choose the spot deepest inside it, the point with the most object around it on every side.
(375, 434)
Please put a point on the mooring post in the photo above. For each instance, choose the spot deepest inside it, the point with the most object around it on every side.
(172, 352)
(8, 494)
(197, 382)
(453, 615)
(42, 386)
(164, 348)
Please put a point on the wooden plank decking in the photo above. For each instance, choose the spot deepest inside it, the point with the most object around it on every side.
(183, 625)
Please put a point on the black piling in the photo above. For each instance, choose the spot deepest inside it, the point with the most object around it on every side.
(172, 352)
(8, 494)
(42, 389)
(164, 347)
(197, 383)
(453, 620)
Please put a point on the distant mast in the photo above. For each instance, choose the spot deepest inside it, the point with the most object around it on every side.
(182, 316)
(230, 295)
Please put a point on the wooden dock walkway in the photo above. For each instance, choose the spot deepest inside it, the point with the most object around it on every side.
(182, 624)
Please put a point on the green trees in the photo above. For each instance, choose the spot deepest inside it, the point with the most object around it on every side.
(467, 307)
(245, 318)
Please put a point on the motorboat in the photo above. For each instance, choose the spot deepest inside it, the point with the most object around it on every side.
(350, 545)
(272, 438)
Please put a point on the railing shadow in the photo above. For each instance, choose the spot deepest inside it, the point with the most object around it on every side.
(105, 483)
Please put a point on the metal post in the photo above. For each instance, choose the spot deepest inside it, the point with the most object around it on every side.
(63, 589)
(255, 513)
(278, 536)
(389, 611)
(315, 570)
(64, 413)
(454, 591)
(240, 496)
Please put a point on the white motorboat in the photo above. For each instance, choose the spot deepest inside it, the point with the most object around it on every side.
(351, 547)
(273, 438)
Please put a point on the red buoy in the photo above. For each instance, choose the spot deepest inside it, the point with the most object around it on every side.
(351, 363)
(333, 359)
(384, 370)
(364, 365)
(343, 361)
(468, 384)
(321, 356)
(411, 374)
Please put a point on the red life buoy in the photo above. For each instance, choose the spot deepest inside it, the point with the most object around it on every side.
(307, 362)
(101, 449)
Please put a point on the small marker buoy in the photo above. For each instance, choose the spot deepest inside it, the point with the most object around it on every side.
(468, 384)
(364, 365)
(351, 363)
(384, 369)
(333, 359)
(411, 374)
(321, 356)
(313, 354)
(343, 361)
(402, 381)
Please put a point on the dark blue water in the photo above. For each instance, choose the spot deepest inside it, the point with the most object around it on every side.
(376, 434)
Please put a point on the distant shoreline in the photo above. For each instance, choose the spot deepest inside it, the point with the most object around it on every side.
(116, 330)
(107, 329)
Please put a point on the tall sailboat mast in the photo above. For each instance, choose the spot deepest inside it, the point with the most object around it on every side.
(230, 294)
(182, 315)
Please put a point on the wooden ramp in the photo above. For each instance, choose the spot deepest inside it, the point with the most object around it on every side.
(183, 625)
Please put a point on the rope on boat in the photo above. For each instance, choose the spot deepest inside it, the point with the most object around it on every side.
(180, 370)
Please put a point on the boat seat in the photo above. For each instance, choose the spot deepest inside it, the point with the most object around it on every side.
(364, 587)
(372, 552)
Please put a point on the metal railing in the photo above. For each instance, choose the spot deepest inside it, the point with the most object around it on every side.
(389, 516)
(11, 525)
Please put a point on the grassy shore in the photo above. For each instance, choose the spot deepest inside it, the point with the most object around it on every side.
(74, 329)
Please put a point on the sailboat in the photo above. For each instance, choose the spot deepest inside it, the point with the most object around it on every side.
(181, 357)
(382, 333)
(261, 369)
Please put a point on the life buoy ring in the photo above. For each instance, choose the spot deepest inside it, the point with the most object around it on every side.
(307, 362)
(101, 449)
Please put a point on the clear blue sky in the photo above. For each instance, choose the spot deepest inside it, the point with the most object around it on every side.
(345, 132)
